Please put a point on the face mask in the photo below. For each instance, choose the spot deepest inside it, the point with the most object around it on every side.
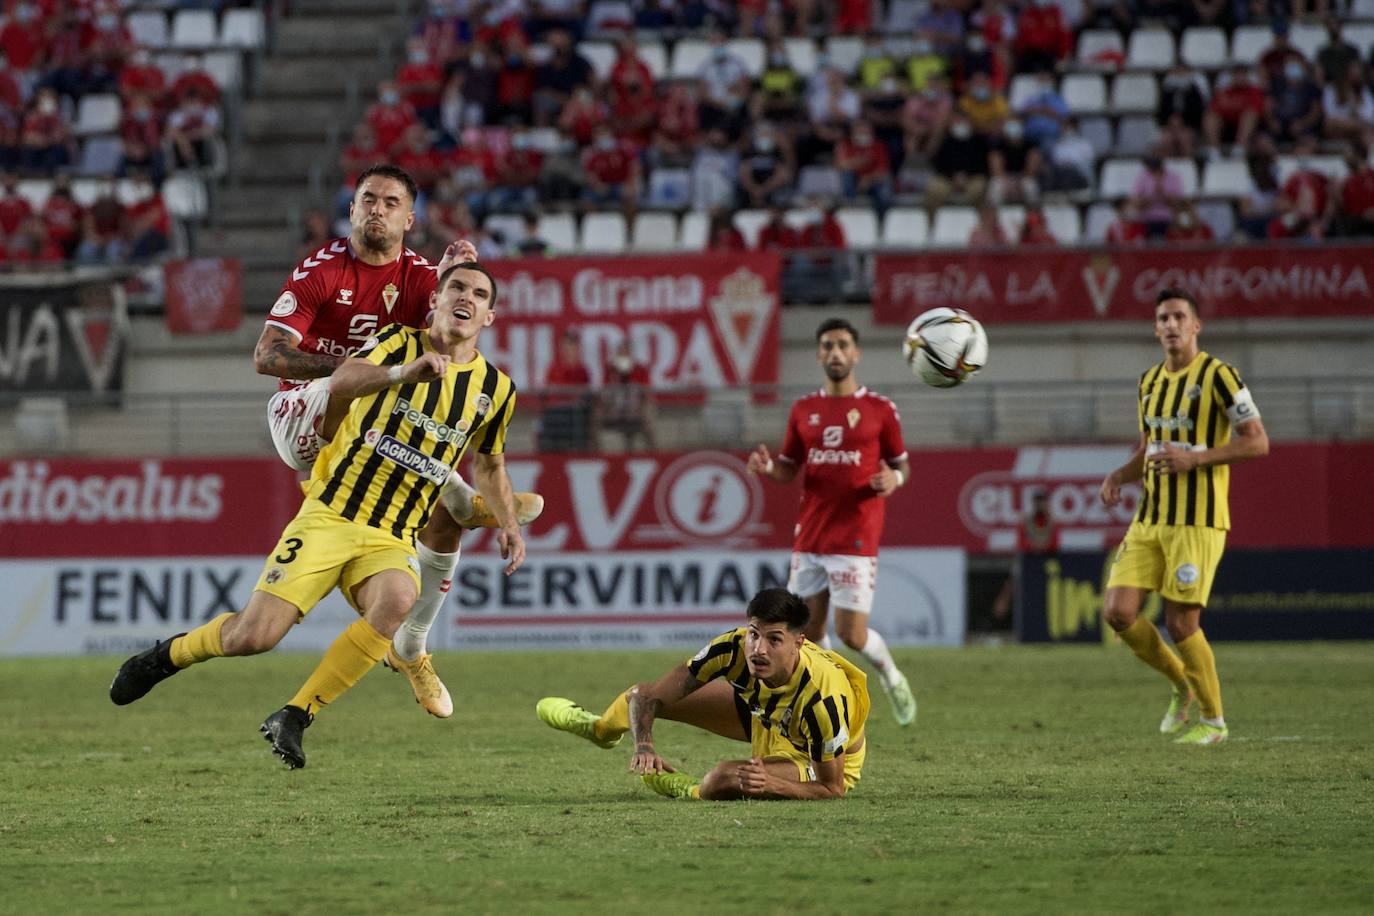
(920, 47)
(520, 142)
(23, 14)
(419, 57)
(622, 364)
(863, 139)
(142, 114)
(390, 97)
(982, 93)
(1185, 220)
(720, 54)
(47, 106)
(478, 60)
(765, 144)
(1013, 130)
(107, 23)
(607, 143)
(961, 131)
(1294, 72)
(889, 85)
(977, 44)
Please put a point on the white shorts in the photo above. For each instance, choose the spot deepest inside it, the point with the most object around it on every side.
(294, 417)
(850, 580)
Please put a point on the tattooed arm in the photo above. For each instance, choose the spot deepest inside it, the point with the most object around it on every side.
(646, 700)
(277, 354)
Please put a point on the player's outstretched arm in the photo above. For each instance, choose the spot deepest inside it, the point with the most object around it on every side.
(490, 477)
(277, 354)
(358, 377)
(645, 702)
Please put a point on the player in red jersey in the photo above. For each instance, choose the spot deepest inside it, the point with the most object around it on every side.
(335, 301)
(846, 442)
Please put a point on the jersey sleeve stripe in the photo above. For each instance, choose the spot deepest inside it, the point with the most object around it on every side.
(285, 327)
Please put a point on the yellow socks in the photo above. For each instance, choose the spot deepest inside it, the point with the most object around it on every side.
(1144, 639)
(1201, 667)
(615, 721)
(351, 656)
(201, 643)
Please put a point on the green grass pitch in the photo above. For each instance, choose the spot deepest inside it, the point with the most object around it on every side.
(1034, 781)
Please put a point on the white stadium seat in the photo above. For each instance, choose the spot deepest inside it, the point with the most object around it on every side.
(1012, 217)
(1361, 35)
(819, 181)
(243, 28)
(1203, 47)
(604, 233)
(1362, 9)
(87, 191)
(1220, 215)
(1248, 42)
(1150, 49)
(1098, 132)
(655, 57)
(1100, 216)
(860, 225)
(801, 54)
(1118, 177)
(749, 222)
(600, 54)
(695, 228)
(1135, 92)
(953, 226)
(36, 191)
(905, 227)
(688, 56)
(654, 232)
(749, 51)
(97, 114)
(1331, 166)
(225, 67)
(194, 29)
(902, 15)
(1308, 37)
(148, 28)
(610, 16)
(1093, 42)
(844, 52)
(559, 230)
(1136, 135)
(1226, 178)
(1085, 93)
(1023, 87)
(509, 226)
(1064, 222)
(100, 155)
(1186, 169)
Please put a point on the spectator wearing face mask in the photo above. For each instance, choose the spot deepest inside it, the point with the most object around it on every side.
(194, 78)
(714, 175)
(780, 84)
(421, 82)
(611, 170)
(1293, 109)
(985, 107)
(1188, 226)
(389, 116)
(882, 108)
(625, 402)
(1042, 37)
(978, 57)
(767, 169)
(864, 166)
(1072, 160)
(634, 113)
(1044, 112)
(875, 62)
(943, 26)
(515, 82)
(140, 139)
(925, 117)
(191, 132)
(1014, 166)
(566, 71)
(1279, 54)
(1234, 112)
(46, 139)
(724, 80)
(960, 164)
(141, 78)
(1348, 107)
(1156, 192)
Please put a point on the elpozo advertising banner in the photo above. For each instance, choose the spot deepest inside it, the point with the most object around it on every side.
(1257, 595)
(1121, 283)
(695, 321)
(61, 335)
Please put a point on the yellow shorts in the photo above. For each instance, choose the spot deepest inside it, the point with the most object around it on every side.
(320, 549)
(768, 744)
(1178, 561)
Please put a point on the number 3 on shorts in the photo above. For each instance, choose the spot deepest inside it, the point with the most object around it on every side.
(293, 546)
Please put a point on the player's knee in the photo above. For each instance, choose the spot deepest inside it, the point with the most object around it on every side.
(1118, 612)
(853, 634)
(1180, 626)
(721, 782)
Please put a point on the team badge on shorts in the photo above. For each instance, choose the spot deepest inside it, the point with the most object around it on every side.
(1186, 575)
(274, 575)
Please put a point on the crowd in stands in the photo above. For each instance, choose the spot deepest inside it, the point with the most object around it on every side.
(90, 126)
(500, 108)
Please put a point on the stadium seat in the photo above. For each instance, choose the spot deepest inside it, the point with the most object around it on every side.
(688, 56)
(559, 230)
(1331, 166)
(86, 191)
(819, 181)
(243, 28)
(1118, 177)
(902, 16)
(695, 228)
(1136, 136)
(655, 57)
(1220, 217)
(1012, 217)
(905, 227)
(1023, 87)
(509, 226)
(1362, 9)
(604, 233)
(1135, 92)
(1150, 49)
(1093, 44)
(1064, 222)
(148, 28)
(1361, 35)
(654, 232)
(953, 226)
(129, 192)
(1186, 169)
(1100, 216)
(1226, 178)
(194, 29)
(610, 16)
(36, 191)
(1308, 37)
(1248, 42)
(801, 54)
(100, 155)
(185, 196)
(749, 222)
(844, 52)
(1085, 93)
(1098, 132)
(97, 114)
(860, 225)
(669, 189)
(226, 67)
(1203, 47)
(600, 54)
(750, 53)
(545, 139)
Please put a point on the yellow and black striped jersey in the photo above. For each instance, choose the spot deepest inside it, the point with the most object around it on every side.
(395, 448)
(821, 710)
(1195, 407)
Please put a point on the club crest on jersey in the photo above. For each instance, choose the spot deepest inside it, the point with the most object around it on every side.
(389, 296)
(285, 305)
(1193, 393)
(345, 298)
(483, 406)
(853, 417)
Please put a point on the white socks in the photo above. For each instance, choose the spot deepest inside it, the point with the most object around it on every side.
(825, 641)
(875, 650)
(436, 574)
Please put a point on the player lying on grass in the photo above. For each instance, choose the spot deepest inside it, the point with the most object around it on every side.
(415, 400)
(801, 708)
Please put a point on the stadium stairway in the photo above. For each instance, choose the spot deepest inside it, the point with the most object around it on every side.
(327, 59)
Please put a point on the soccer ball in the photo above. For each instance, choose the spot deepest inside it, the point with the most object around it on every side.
(945, 346)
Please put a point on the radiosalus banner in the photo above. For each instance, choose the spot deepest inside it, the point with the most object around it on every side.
(1121, 283)
(694, 321)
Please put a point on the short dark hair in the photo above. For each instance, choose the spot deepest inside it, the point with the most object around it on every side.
(1173, 292)
(778, 605)
(469, 265)
(836, 324)
(383, 170)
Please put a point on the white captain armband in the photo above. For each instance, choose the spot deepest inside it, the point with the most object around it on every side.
(1242, 408)
(393, 375)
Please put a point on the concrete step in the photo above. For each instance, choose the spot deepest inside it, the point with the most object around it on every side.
(343, 36)
(375, 8)
(289, 161)
(319, 76)
(281, 119)
(255, 244)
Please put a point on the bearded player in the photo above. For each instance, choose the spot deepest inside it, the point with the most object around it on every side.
(846, 442)
(333, 302)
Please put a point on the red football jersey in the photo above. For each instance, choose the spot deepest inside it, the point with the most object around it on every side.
(840, 443)
(333, 302)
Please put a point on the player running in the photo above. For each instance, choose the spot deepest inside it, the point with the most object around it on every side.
(334, 301)
(847, 443)
(400, 417)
